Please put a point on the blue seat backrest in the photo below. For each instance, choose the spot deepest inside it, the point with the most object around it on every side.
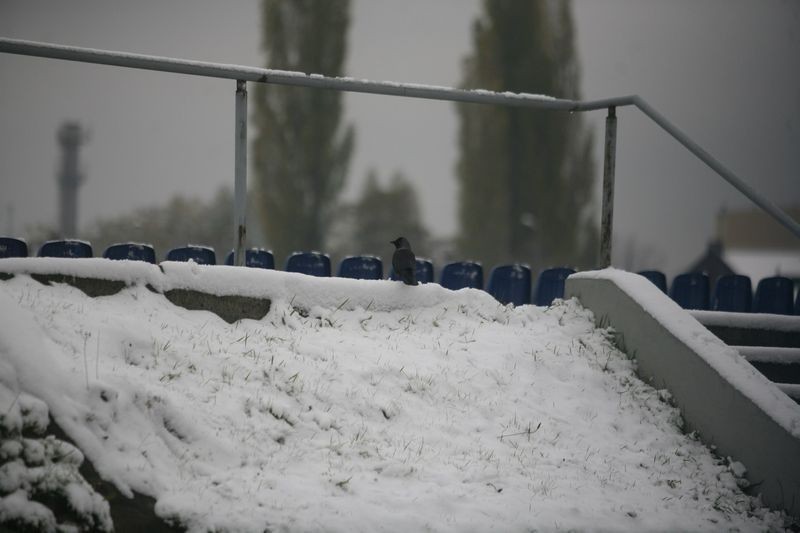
(510, 284)
(361, 267)
(131, 251)
(66, 248)
(550, 285)
(774, 295)
(202, 255)
(11, 247)
(656, 277)
(311, 263)
(255, 258)
(424, 271)
(460, 275)
(733, 293)
(797, 304)
(690, 290)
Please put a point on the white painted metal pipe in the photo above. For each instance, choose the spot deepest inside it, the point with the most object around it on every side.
(298, 79)
(240, 175)
(278, 77)
(609, 168)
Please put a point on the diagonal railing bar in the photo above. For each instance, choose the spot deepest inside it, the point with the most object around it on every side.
(243, 74)
(741, 185)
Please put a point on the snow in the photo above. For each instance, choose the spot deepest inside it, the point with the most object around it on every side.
(509, 94)
(386, 87)
(53, 471)
(301, 290)
(17, 507)
(355, 406)
(33, 469)
(419, 87)
(724, 359)
(128, 271)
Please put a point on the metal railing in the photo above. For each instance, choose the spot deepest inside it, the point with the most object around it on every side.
(243, 74)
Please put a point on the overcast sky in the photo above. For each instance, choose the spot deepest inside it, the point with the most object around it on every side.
(725, 71)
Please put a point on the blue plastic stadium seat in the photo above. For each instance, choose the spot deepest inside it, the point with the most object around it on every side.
(202, 255)
(11, 247)
(132, 251)
(656, 277)
(797, 304)
(550, 285)
(510, 284)
(424, 271)
(361, 267)
(690, 290)
(255, 258)
(311, 263)
(733, 293)
(464, 274)
(774, 295)
(66, 248)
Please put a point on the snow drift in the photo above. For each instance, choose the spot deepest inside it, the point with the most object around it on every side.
(360, 406)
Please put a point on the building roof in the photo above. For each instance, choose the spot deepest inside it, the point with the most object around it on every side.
(754, 229)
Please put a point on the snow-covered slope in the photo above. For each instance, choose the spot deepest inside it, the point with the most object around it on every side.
(372, 407)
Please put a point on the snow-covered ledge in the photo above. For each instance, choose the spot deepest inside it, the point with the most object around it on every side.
(231, 292)
(722, 397)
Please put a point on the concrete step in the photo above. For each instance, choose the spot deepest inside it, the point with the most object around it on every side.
(781, 365)
(743, 414)
(792, 390)
(752, 329)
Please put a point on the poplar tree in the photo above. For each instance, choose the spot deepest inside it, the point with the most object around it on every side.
(385, 213)
(525, 175)
(302, 150)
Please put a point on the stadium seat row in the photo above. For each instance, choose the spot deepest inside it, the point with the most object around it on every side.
(732, 292)
(507, 283)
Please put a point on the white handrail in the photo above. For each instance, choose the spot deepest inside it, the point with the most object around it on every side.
(430, 92)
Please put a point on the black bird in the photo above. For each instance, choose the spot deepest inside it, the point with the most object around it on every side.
(404, 261)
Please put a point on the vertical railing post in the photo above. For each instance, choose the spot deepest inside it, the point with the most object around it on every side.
(609, 166)
(240, 175)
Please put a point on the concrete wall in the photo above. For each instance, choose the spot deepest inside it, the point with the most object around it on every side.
(722, 414)
(229, 308)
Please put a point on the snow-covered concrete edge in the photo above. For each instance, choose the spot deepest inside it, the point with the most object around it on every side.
(220, 280)
(722, 397)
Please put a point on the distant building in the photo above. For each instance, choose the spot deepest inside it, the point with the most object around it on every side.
(757, 245)
(752, 243)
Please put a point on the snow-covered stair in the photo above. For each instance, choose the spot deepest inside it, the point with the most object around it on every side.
(771, 343)
(731, 405)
